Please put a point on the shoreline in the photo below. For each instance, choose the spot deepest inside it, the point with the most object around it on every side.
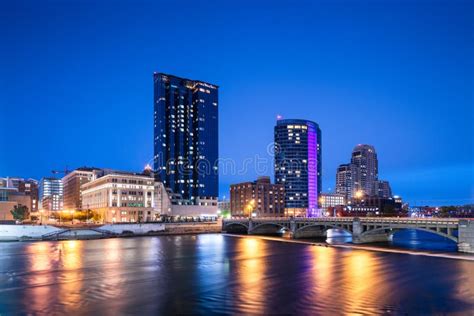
(457, 256)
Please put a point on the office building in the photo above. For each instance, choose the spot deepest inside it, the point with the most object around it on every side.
(120, 196)
(257, 199)
(72, 183)
(51, 194)
(186, 139)
(298, 165)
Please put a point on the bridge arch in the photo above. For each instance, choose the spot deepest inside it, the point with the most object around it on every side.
(308, 231)
(268, 228)
(392, 230)
(236, 227)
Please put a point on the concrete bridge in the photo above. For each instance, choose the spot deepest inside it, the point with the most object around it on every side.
(362, 230)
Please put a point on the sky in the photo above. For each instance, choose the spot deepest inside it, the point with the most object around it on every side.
(76, 85)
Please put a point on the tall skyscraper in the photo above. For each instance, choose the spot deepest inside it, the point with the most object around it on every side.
(51, 194)
(298, 165)
(186, 137)
(365, 168)
(344, 180)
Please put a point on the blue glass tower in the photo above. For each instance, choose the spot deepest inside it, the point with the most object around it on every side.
(186, 136)
(298, 165)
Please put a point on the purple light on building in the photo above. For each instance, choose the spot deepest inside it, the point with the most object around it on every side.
(312, 172)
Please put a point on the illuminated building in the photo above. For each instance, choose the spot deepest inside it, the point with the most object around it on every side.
(330, 200)
(259, 198)
(51, 194)
(365, 168)
(344, 180)
(186, 138)
(72, 183)
(298, 165)
(121, 196)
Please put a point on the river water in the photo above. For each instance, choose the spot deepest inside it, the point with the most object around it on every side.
(207, 274)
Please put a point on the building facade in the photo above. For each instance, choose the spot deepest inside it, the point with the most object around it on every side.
(24, 186)
(9, 198)
(121, 197)
(72, 183)
(344, 181)
(260, 198)
(298, 165)
(331, 199)
(51, 194)
(365, 168)
(186, 137)
(382, 189)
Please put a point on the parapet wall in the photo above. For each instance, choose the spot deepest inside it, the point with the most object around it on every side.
(16, 232)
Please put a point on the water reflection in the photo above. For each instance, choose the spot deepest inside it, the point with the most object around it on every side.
(250, 273)
(209, 274)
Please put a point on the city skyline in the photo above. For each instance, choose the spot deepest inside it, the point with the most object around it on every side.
(371, 101)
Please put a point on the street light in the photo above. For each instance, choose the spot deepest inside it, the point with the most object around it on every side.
(250, 207)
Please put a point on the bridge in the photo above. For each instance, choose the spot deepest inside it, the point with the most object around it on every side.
(363, 229)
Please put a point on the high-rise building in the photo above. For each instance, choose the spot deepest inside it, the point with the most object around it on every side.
(72, 183)
(344, 181)
(365, 168)
(186, 137)
(298, 165)
(259, 197)
(51, 194)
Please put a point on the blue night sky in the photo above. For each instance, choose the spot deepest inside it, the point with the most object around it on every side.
(76, 83)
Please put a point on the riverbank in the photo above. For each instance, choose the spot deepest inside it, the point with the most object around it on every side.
(48, 232)
(458, 256)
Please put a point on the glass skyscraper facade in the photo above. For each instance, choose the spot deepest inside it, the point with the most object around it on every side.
(186, 136)
(298, 165)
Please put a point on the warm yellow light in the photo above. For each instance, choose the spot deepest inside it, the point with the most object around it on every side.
(359, 194)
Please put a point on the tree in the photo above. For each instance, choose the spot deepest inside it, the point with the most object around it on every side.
(20, 212)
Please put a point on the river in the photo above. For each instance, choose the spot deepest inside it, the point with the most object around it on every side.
(213, 273)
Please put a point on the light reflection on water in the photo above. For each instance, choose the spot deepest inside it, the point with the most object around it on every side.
(206, 274)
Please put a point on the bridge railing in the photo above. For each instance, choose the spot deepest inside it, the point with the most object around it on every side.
(400, 220)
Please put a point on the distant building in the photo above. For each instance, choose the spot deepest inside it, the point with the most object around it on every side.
(27, 187)
(51, 194)
(259, 197)
(9, 198)
(374, 206)
(330, 200)
(298, 165)
(365, 168)
(344, 180)
(121, 197)
(382, 189)
(72, 183)
(186, 138)
(223, 205)
(360, 176)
